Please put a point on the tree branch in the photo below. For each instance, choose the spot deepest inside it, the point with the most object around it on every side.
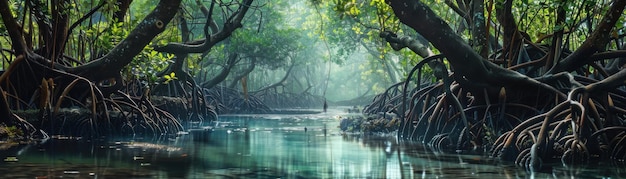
(609, 83)
(223, 74)
(207, 43)
(17, 40)
(85, 17)
(245, 72)
(60, 14)
(468, 66)
(123, 6)
(124, 52)
(511, 36)
(279, 82)
(464, 60)
(593, 44)
(479, 29)
(398, 43)
(207, 13)
(43, 23)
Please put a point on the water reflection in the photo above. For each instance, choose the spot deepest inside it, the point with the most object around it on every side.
(262, 146)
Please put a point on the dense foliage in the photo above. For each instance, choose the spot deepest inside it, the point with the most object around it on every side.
(527, 81)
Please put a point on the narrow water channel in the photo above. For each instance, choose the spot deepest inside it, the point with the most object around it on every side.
(263, 146)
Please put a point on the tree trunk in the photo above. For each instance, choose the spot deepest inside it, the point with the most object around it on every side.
(512, 36)
(123, 6)
(479, 29)
(203, 45)
(223, 74)
(15, 33)
(594, 43)
(244, 73)
(112, 63)
(279, 83)
(467, 64)
(6, 117)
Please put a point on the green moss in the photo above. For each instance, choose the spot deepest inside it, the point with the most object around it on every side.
(8, 133)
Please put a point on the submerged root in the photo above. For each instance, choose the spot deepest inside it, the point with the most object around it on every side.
(529, 126)
(74, 112)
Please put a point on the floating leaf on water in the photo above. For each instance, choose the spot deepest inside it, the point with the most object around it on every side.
(60, 137)
(11, 159)
(71, 172)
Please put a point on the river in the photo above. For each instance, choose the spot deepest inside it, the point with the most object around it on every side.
(263, 146)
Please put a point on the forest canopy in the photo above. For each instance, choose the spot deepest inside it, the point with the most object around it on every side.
(536, 80)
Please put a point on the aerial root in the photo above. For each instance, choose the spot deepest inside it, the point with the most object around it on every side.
(572, 129)
(440, 142)
(577, 153)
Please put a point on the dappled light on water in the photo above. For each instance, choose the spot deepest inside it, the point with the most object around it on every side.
(260, 146)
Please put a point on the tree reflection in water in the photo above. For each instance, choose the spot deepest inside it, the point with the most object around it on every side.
(264, 146)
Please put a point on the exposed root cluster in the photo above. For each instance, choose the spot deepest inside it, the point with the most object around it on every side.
(276, 99)
(229, 100)
(576, 124)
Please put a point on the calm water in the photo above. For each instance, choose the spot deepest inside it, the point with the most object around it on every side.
(263, 146)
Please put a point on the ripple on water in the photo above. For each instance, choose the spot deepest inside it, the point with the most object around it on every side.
(32, 170)
(269, 148)
(259, 173)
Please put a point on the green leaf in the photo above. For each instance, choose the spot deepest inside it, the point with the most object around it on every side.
(173, 75)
